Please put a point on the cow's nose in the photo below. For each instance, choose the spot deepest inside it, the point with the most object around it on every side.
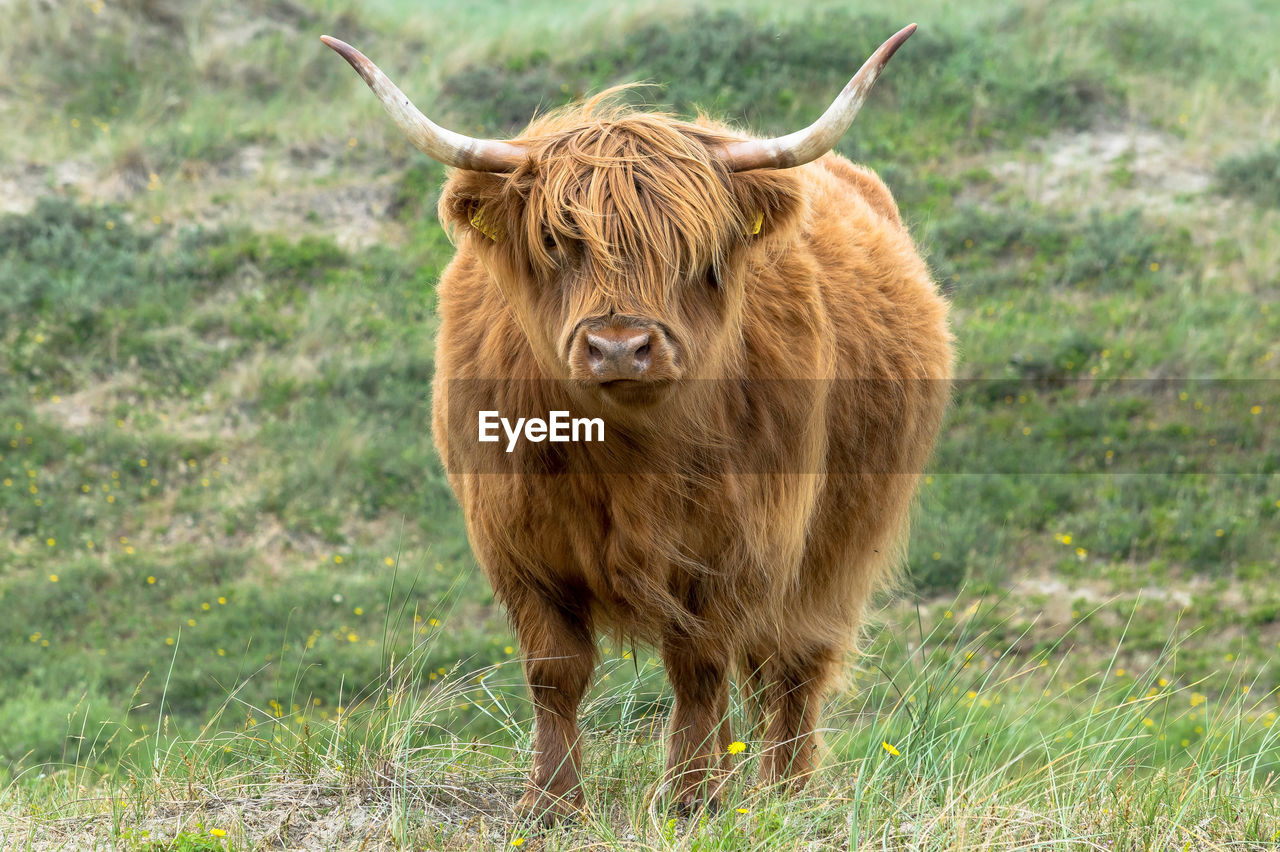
(619, 353)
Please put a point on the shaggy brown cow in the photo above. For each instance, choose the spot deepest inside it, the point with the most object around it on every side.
(751, 321)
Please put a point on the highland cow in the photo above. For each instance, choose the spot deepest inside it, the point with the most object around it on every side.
(771, 361)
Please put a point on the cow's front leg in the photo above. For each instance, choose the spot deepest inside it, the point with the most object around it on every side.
(559, 657)
(699, 727)
(795, 685)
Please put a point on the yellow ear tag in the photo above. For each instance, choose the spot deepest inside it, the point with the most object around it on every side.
(755, 226)
(478, 222)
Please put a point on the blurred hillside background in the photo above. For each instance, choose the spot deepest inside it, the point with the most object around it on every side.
(219, 503)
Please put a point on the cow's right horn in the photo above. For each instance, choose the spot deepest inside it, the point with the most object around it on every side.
(452, 149)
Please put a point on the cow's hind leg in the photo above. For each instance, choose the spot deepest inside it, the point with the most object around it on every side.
(699, 728)
(795, 685)
(559, 657)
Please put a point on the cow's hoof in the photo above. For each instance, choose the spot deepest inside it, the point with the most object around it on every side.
(692, 806)
(548, 809)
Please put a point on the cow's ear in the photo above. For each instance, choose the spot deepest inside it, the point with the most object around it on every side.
(768, 201)
(472, 202)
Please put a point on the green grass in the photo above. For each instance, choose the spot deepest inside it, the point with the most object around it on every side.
(1105, 498)
(950, 736)
(1255, 176)
(953, 93)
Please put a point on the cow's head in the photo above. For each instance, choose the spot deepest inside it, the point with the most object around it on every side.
(616, 236)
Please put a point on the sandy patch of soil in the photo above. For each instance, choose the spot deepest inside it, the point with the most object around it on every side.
(1130, 166)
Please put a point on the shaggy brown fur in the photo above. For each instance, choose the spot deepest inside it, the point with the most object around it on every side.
(751, 494)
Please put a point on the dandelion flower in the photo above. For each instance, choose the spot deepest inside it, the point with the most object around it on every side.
(53, 578)
(518, 841)
(737, 747)
(889, 748)
(218, 832)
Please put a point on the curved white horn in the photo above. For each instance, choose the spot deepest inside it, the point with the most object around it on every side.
(805, 146)
(452, 149)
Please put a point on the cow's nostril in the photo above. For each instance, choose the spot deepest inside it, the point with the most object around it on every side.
(619, 353)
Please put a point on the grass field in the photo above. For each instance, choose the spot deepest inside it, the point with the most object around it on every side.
(239, 606)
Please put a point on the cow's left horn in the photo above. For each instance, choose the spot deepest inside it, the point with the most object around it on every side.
(452, 149)
(805, 146)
